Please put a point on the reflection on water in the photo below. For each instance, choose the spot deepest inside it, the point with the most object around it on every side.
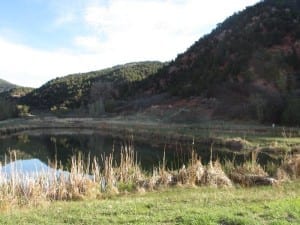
(61, 145)
(28, 166)
(26, 170)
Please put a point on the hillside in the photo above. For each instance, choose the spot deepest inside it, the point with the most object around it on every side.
(5, 86)
(95, 91)
(249, 66)
(9, 98)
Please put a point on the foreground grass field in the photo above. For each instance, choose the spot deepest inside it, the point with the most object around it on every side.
(204, 205)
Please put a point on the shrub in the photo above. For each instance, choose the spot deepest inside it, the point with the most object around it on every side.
(291, 113)
(7, 110)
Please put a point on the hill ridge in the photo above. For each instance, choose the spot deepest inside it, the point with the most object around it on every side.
(5, 85)
(250, 62)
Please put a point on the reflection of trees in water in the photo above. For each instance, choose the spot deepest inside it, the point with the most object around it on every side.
(96, 145)
(26, 147)
(23, 138)
(63, 147)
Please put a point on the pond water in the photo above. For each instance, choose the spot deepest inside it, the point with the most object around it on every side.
(48, 145)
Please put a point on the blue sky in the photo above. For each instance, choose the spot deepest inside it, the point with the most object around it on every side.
(44, 39)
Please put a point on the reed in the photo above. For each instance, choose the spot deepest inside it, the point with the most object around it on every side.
(290, 168)
(250, 173)
(93, 178)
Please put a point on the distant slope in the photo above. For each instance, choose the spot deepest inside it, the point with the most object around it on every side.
(15, 93)
(80, 90)
(249, 65)
(9, 100)
(5, 85)
(247, 68)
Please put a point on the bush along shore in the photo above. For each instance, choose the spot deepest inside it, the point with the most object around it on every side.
(99, 178)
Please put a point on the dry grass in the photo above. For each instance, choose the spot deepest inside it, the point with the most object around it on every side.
(89, 178)
(290, 168)
(250, 173)
(18, 188)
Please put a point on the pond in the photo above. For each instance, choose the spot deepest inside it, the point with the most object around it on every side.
(48, 145)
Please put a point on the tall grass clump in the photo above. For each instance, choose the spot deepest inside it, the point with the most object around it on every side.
(250, 173)
(290, 168)
(93, 178)
(192, 174)
(47, 184)
(124, 175)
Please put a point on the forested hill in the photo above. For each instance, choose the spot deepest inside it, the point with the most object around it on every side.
(247, 68)
(85, 89)
(250, 64)
(5, 85)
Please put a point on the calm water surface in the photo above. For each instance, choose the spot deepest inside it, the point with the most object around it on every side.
(47, 145)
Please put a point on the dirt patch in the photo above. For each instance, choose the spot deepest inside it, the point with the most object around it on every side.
(182, 110)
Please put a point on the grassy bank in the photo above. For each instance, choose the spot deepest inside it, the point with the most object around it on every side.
(200, 205)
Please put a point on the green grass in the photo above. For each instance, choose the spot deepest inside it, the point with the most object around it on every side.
(260, 205)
